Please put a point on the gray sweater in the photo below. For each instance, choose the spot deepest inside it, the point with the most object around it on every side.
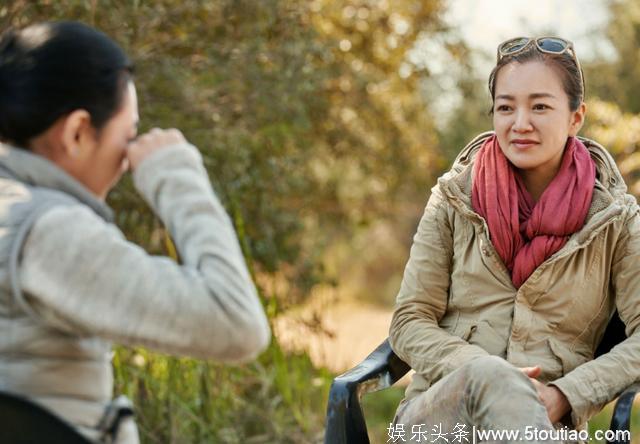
(70, 283)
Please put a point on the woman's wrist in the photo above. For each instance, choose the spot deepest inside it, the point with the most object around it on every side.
(559, 404)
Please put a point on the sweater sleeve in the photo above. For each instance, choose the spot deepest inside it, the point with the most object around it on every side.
(80, 274)
(593, 384)
(415, 335)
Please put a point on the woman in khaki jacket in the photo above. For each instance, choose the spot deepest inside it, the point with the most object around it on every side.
(526, 248)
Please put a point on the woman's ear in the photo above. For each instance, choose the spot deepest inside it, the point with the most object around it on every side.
(77, 133)
(577, 119)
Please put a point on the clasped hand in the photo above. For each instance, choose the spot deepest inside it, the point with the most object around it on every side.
(551, 397)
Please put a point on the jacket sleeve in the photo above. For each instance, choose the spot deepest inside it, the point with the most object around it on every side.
(593, 384)
(422, 301)
(81, 275)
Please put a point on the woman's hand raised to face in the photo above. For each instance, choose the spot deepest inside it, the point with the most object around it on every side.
(150, 142)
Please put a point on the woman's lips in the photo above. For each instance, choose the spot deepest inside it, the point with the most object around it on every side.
(523, 143)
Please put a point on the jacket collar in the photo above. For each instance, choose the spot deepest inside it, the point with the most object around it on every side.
(608, 195)
(24, 166)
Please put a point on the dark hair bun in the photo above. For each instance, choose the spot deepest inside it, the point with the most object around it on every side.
(50, 69)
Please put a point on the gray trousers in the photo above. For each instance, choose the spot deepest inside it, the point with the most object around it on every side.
(487, 394)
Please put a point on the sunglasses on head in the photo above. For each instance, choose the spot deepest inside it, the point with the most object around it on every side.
(547, 45)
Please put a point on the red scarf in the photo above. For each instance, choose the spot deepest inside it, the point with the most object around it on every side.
(525, 233)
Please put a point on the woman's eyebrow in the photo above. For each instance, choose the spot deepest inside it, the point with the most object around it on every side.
(531, 96)
(541, 95)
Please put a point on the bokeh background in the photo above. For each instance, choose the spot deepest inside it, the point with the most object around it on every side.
(323, 124)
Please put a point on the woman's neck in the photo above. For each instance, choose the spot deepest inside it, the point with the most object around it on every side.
(537, 180)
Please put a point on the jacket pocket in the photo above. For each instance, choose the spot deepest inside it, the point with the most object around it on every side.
(459, 328)
(485, 336)
(568, 358)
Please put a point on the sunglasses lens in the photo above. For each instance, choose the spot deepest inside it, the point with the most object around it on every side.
(552, 44)
(514, 45)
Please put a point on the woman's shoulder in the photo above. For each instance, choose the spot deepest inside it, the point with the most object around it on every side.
(470, 149)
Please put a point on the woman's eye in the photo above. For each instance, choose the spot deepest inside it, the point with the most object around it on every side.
(540, 106)
(503, 108)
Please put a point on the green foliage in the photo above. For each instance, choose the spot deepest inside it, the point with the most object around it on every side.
(307, 113)
(613, 117)
(181, 400)
(380, 409)
(468, 119)
(620, 133)
(618, 81)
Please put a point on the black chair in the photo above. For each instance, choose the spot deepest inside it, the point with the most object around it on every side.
(345, 423)
(23, 422)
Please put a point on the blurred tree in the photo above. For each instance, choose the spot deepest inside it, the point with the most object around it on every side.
(619, 81)
(620, 133)
(380, 135)
(468, 118)
(613, 117)
(381, 140)
(308, 114)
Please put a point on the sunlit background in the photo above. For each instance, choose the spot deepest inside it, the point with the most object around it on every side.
(324, 125)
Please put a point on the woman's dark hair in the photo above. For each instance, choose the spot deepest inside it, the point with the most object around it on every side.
(48, 70)
(564, 65)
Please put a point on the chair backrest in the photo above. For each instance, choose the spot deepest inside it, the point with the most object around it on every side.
(613, 335)
(23, 422)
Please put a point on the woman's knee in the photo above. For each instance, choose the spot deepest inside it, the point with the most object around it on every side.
(493, 368)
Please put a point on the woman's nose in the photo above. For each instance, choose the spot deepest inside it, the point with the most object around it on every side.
(522, 122)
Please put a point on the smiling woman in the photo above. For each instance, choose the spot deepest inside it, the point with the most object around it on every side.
(70, 283)
(526, 248)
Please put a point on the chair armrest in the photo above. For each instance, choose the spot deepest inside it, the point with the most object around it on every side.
(345, 422)
(621, 418)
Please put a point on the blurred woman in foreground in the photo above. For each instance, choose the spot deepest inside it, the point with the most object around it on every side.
(70, 283)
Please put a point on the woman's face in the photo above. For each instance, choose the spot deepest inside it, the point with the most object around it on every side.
(531, 115)
(105, 160)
